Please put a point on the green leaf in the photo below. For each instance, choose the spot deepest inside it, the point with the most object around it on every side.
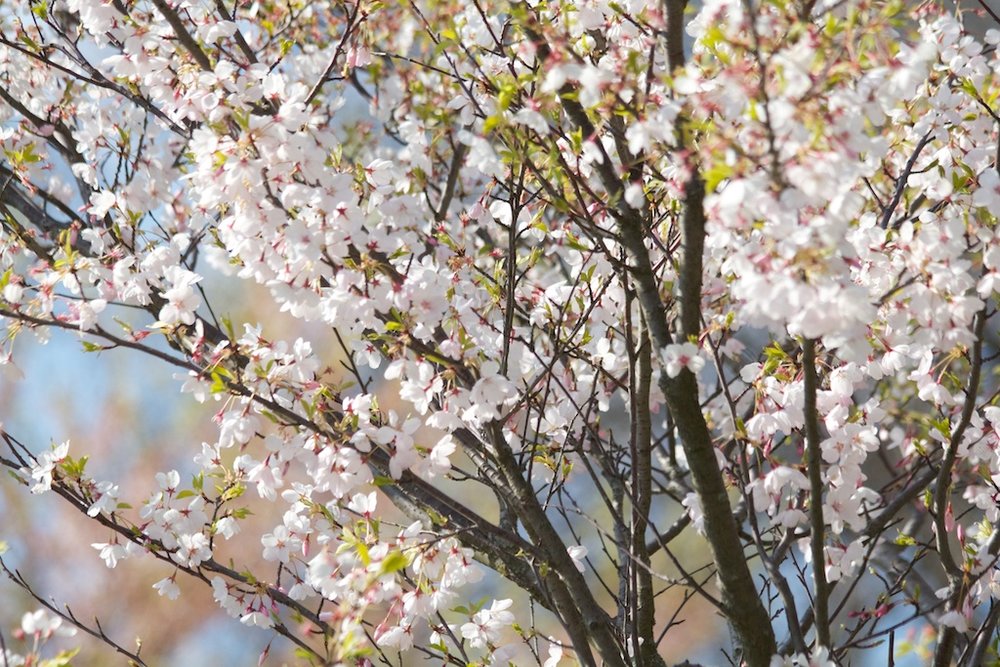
(233, 492)
(74, 468)
(220, 380)
(242, 119)
(716, 174)
(227, 325)
(393, 562)
(363, 552)
(508, 91)
(942, 426)
(61, 660)
(437, 519)
(30, 43)
(491, 123)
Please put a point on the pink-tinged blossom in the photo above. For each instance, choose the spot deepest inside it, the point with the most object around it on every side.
(168, 588)
(578, 553)
(987, 194)
(267, 477)
(820, 657)
(41, 624)
(404, 451)
(366, 353)
(192, 550)
(220, 591)
(460, 568)
(228, 527)
(437, 462)
(84, 313)
(182, 298)
(767, 493)
(340, 471)
(280, 544)
(555, 654)
(960, 619)
(209, 458)
(488, 394)
(844, 562)
(42, 471)
(106, 499)
(380, 173)
(323, 574)
(486, 624)
(694, 509)
(850, 445)
(111, 552)
(237, 427)
(398, 636)
(168, 481)
(678, 357)
(421, 384)
(847, 502)
(102, 202)
(363, 504)
(258, 613)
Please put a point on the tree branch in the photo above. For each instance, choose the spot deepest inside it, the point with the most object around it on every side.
(948, 634)
(183, 36)
(745, 611)
(813, 462)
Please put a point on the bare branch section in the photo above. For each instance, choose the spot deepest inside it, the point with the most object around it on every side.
(817, 540)
(185, 38)
(95, 631)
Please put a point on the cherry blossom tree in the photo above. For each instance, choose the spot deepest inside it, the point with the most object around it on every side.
(586, 281)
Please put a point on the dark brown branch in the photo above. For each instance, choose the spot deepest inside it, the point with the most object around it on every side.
(449, 187)
(183, 36)
(744, 609)
(642, 450)
(675, 32)
(984, 638)
(821, 592)
(582, 616)
(68, 615)
(337, 53)
(241, 41)
(901, 180)
(948, 635)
